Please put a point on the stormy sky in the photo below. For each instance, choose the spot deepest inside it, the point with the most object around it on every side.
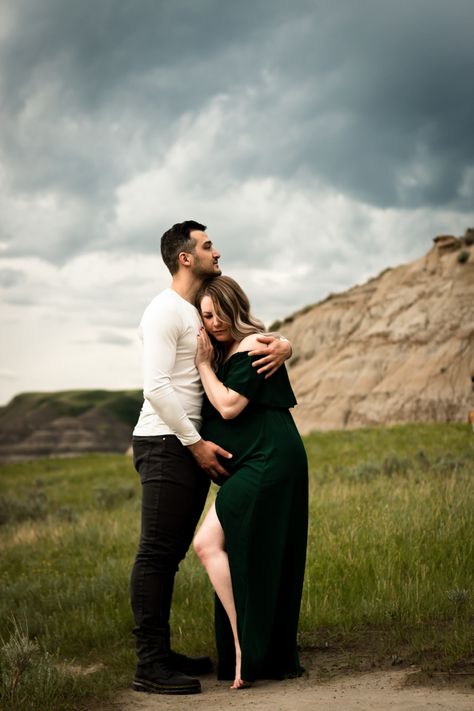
(320, 142)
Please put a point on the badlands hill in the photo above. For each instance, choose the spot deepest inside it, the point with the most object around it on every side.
(67, 423)
(399, 348)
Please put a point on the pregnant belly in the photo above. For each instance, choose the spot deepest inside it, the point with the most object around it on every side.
(240, 441)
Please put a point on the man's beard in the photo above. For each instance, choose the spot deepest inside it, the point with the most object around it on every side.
(203, 272)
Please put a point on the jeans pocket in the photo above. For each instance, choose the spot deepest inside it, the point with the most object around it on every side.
(141, 454)
(149, 457)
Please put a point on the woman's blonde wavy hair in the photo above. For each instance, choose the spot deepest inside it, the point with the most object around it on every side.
(232, 306)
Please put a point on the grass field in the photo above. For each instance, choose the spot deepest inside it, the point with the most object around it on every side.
(390, 563)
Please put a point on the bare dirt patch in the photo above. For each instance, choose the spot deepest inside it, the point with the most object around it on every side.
(326, 689)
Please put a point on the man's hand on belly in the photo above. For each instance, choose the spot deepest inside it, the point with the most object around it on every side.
(205, 454)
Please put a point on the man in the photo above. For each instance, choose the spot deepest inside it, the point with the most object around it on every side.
(173, 461)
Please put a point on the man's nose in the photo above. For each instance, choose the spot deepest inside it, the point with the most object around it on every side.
(216, 254)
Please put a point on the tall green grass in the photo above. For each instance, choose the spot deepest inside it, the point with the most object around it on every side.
(390, 560)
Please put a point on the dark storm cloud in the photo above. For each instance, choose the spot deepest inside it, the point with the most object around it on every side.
(372, 98)
(100, 48)
(401, 92)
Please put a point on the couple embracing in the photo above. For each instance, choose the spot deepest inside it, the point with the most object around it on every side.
(199, 335)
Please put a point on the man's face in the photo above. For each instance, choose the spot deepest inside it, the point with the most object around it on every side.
(205, 258)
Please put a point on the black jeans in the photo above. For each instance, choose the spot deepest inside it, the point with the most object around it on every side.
(174, 491)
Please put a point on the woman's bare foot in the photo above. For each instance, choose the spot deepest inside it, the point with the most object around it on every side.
(238, 682)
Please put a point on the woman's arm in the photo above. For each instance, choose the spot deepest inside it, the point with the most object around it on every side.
(227, 402)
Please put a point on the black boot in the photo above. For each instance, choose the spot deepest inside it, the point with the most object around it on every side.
(190, 665)
(161, 678)
(151, 604)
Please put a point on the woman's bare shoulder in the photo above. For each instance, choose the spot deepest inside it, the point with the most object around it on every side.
(250, 342)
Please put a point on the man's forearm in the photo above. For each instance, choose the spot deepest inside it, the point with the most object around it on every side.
(165, 403)
(272, 355)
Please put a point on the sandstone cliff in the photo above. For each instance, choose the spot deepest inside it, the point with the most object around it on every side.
(399, 348)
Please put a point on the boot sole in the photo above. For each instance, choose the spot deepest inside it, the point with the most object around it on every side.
(150, 687)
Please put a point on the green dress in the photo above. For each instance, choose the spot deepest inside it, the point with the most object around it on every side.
(263, 510)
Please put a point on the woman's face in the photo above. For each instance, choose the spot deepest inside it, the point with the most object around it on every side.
(212, 323)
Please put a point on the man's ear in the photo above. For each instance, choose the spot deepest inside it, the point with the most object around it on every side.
(184, 259)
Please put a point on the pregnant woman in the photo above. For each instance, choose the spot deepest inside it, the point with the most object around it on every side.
(253, 539)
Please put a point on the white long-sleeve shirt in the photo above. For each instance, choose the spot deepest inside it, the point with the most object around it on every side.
(172, 388)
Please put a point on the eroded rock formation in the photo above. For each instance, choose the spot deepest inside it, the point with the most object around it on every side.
(399, 348)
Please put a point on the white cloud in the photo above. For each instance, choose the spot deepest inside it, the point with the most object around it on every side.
(75, 325)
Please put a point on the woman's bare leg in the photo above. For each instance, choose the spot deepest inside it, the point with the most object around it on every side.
(209, 544)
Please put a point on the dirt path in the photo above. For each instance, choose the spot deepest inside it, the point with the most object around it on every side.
(373, 691)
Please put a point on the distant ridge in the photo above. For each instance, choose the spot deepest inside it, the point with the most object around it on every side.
(68, 423)
(399, 348)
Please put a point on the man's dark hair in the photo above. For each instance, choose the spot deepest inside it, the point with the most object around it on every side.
(177, 239)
